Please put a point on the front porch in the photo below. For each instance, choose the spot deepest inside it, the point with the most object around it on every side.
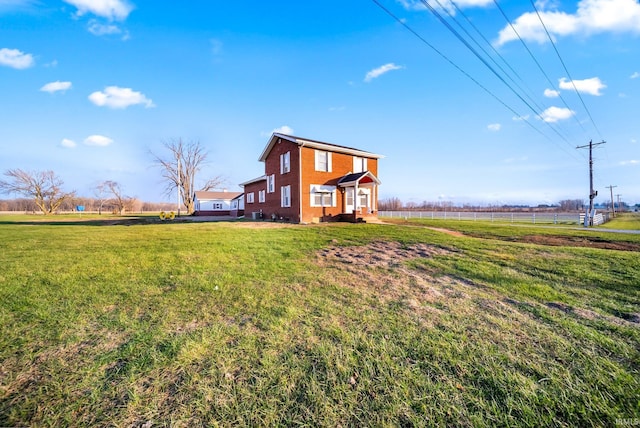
(360, 197)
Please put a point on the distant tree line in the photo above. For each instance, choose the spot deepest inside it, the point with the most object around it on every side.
(566, 205)
(132, 205)
(42, 191)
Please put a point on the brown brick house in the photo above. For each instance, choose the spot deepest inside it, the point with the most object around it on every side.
(312, 181)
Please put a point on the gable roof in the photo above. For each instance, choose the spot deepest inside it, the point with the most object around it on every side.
(203, 195)
(358, 177)
(304, 142)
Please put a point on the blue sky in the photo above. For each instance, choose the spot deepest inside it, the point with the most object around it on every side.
(89, 87)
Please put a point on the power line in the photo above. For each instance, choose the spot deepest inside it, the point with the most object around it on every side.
(436, 50)
(535, 60)
(475, 52)
(493, 70)
(495, 51)
(527, 93)
(566, 70)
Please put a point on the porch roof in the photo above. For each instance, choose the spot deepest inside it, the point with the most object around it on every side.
(358, 178)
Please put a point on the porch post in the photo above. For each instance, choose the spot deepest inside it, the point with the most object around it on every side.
(374, 203)
(355, 197)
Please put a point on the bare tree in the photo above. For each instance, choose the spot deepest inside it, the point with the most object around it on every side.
(45, 187)
(179, 169)
(390, 204)
(571, 204)
(101, 192)
(118, 199)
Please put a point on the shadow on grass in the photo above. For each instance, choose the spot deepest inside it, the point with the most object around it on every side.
(127, 221)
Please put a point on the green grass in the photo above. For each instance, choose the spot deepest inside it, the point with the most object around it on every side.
(205, 324)
(516, 231)
(630, 221)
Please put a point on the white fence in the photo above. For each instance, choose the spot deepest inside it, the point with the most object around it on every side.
(598, 219)
(502, 217)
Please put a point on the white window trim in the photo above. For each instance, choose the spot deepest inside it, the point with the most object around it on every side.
(261, 196)
(271, 183)
(285, 196)
(318, 188)
(285, 163)
(359, 164)
(318, 156)
(250, 197)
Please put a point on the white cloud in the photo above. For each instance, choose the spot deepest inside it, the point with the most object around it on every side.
(56, 86)
(283, 130)
(443, 4)
(377, 72)
(630, 162)
(98, 29)
(494, 127)
(555, 114)
(592, 17)
(551, 93)
(113, 10)
(17, 5)
(15, 58)
(97, 140)
(70, 144)
(588, 86)
(116, 97)
(635, 75)
(520, 118)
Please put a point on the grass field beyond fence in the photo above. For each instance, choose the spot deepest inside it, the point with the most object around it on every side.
(143, 323)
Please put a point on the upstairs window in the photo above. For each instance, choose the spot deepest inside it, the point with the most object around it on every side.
(285, 163)
(250, 197)
(359, 164)
(323, 161)
(261, 196)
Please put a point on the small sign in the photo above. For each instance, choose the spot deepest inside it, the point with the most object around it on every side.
(80, 208)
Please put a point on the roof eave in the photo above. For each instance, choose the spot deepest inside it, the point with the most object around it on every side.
(316, 145)
(255, 180)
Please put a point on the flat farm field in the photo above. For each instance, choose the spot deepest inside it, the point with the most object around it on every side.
(136, 322)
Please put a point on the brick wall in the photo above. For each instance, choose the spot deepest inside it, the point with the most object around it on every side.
(342, 164)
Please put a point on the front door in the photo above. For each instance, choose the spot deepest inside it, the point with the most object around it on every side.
(349, 202)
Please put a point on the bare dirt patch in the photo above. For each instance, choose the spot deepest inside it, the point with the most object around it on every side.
(380, 254)
(391, 274)
(379, 271)
(587, 242)
(447, 231)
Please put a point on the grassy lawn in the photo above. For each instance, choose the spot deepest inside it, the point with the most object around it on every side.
(624, 221)
(142, 323)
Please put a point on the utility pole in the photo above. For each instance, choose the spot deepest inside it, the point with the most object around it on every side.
(613, 207)
(179, 183)
(618, 196)
(588, 219)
